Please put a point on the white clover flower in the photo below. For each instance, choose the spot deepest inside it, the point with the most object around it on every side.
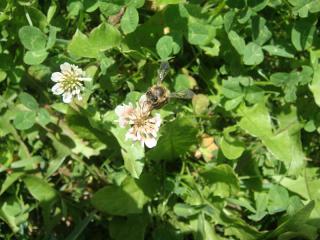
(124, 112)
(69, 82)
(145, 130)
(143, 127)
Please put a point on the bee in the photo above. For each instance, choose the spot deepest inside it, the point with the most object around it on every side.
(158, 95)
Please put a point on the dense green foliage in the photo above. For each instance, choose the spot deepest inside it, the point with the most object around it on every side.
(240, 161)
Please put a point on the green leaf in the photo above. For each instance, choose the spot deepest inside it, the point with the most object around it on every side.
(231, 148)
(199, 33)
(40, 189)
(221, 180)
(200, 103)
(278, 199)
(237, 42)
(35, 57)
(133, 157)
(100, 39)
(252, 54)
(315, 84)
(231, 88)
(285, 145)
(52, 37)
(257, 5)
(24, 120)
(13, 212)
(32, 38)
(177, 137)
(44, 117)
(293, 223)
(183, 82)
(276, 50)
(164, 46)
(302, 33)
(129, 20)
(44, 193)
(136, 3)
(122, 200)
(260, 32)
(185, 210)
(28, 101)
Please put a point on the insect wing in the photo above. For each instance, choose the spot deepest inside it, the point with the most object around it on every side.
(163, 71)
(183, 94)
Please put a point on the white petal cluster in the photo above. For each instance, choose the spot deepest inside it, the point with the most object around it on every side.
(143, 127)
(69, 82)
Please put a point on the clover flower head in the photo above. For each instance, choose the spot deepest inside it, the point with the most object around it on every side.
(143, 126)
(69, 82)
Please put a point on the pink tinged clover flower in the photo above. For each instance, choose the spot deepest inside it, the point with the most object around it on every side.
(143, 127)
(69, 82)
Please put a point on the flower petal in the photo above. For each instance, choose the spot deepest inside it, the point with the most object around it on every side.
(79, 96)
(65, 67)
(57, 76)
(57, 89)
(67, 97)
(150, 142)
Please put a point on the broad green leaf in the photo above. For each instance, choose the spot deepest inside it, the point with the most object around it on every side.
(293, 223)
(228, 20)
(261, 200)
(32, 38)
(185, 210)
(257, 5)
(24, 120)
(100, 39)
(164, 46)
(199, 33)
(129, 20)
(13, 212)
(177, 137)
(35, 57)
(45, 194)
(302, 33)
(278, 199)
(200, 103)
(183, 82)
(204, 229)
(290, 81)
(3, 75)
(28, 101)
(285, 145)
(315, 84)
(52, 37)
(260, 32)
(231, 148)
(40, 190)
(44, 117)
(277, 51)
(122, 200)
(233, 103)
(221, 180)
(133, 157)
(305, 186)
(252, 54)
(231, 88)
(136, 3)
(237, 42)
(10, 179)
